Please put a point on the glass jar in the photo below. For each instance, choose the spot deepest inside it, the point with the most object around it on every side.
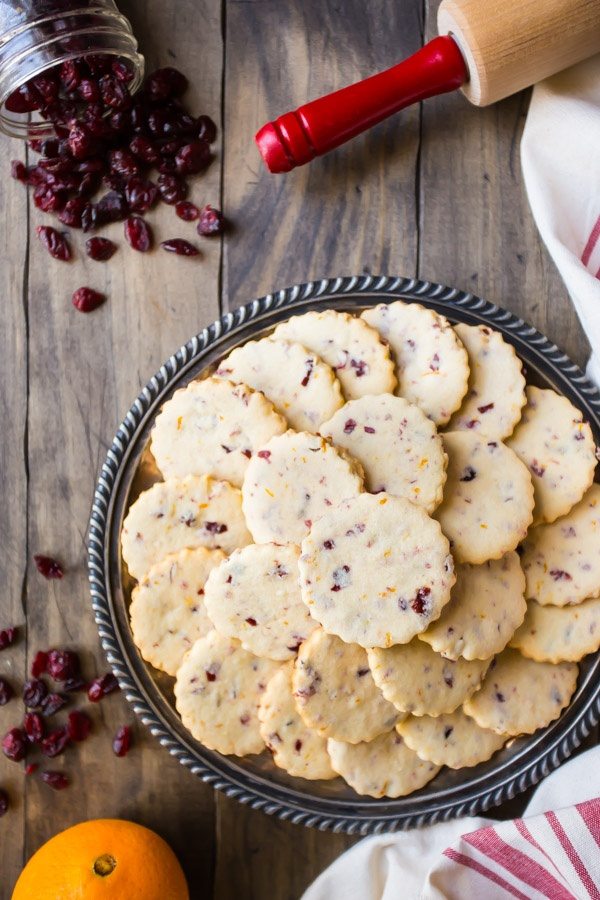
(36, 35)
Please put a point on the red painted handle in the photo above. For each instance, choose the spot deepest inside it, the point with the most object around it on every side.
(317, 127)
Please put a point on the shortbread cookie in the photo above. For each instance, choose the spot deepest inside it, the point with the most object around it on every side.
(335, 693)
(167, 607)
(384, 767)
(300, 385)
(295, 747)
(555, 634)
(561, 561)
(360, 359)
(518, 695)
(431, 363)
(213, 427)
(488, 498)
(557, 447)
(218, 688)
(292, 481)
(396, 444)
(496, 395)
(254, 596)
(375, 570)
(487, 604)
(419, 681)
(452, 740)
(196, 511)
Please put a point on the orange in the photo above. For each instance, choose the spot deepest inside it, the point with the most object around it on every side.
(104, 859)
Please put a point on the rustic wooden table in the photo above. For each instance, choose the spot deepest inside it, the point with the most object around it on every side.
(435, 192)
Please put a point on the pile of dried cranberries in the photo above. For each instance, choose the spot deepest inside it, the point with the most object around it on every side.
(96, 169)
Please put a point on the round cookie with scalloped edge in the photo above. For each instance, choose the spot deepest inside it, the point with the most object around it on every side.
(335, 693)
(213, 427)
(293, 480)
(487, 604)
(359, 357)
(557, 447)
(431, 363)
(300, 385)
(496, 393)
(218, 688)
(384, 767)
(196, 511)
(519, 695)
(419, 681)
(561, 560)
(559, 633)
(488, 498)
(296, 748)
(452, 739)
(375, 570)
(396, 444)
(254, 596)
(167, 607)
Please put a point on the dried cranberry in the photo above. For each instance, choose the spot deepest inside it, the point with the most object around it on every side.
(167, 167)
(39, 664)
(89, 217)
(180, 247)
(57, 165)
(79, 725)
(419, 601)
(53, 703)
(46, 565)
(88, 90)
(56, 742)
(34, 692)
(82, 142)
(6, 692)
(122, 71)
(172, 189)
(56, 780)
(138, 234)
(95, 166)
(33, 726)
(187, 211)
(86, 299)
(193, 158)
(122, 741)
(100, 249)
(31, 768)
(18, 170)
(88, 186)
(111, 208)
(206, 129)
(140, 194)
(62, 664)
(14, 744)
(102, 686)
(168, 149)
(144, 149)
(165, 83)
(99, 128)
(70, 74)
(114, 94)
(7, 637)
(72, 212)
(46, 85)
(212, 221)
(123, 162)
(4, 804)
(25, 99)
(47, 199)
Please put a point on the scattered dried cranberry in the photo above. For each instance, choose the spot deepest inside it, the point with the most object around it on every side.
(86, 300)
(6, 692)
(180, 247)
(39, 664)
(187, 211)
(100, 249)
(82, 142)
(56, 780)
(52, 704)
(18, 170)
(31, 768)
(172, 189)
(79, 725)
(122, 71)
(193, 158)
(34, 693)
(102, 686)
(138, 234)
(206, 129)
(14, 744)
(55, 243)
(140, 194)
(24, 99)
(122, 741)
(48, 567)
(123, 162)
(33, 726)
(7, 637)
(144, 149)
(56, 742)
(4, 804)
(164, 84)
(211, 222)
(111, 208)
(62, 664)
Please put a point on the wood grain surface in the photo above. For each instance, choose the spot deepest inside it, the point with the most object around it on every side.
(434, 192)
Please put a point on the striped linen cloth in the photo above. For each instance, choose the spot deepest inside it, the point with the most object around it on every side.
(552, 853)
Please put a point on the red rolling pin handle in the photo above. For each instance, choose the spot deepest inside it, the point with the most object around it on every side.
(317, 127)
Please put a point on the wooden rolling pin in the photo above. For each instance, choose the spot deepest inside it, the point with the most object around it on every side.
(487, 48)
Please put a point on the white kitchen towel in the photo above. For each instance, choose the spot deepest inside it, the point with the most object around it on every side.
(553, 852)
(560, 158)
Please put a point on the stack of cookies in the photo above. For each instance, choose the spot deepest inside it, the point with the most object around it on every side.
(375, 550)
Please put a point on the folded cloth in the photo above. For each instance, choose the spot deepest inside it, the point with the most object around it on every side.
(552, 852)
(560, 158)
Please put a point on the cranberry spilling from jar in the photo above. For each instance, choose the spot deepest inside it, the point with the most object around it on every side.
(14, 744)
(56, 780)
(122, 741)
(102, 686)
(62, 665)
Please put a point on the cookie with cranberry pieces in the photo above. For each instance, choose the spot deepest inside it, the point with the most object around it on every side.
(557, 634)
(452, 739)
